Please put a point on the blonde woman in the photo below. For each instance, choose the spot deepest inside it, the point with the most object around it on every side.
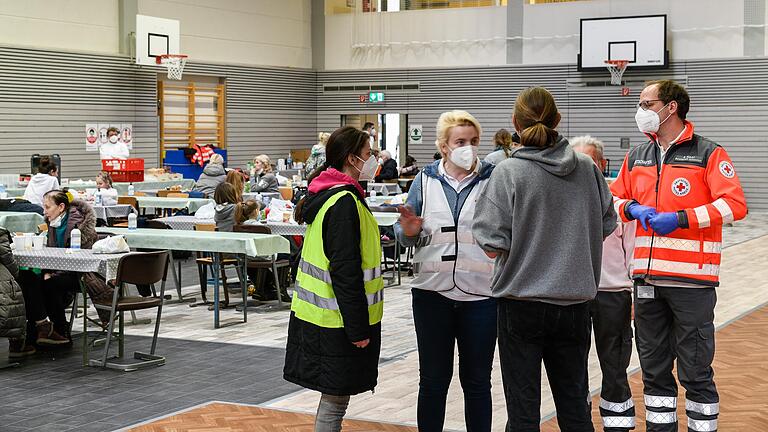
(317, 157)
(452, 303)
(264, 180)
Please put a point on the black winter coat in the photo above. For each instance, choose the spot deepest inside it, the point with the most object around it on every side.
(13, 319)
(388, 171)
(324, 359)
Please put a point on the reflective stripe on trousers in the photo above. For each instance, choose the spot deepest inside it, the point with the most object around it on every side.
(702, 425)
(702, 408)
(331, 303)
(325, 276)
(660, 417)
(660, 401)
(619, 422)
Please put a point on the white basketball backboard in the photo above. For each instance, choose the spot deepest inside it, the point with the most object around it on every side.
(154, 37)
(640, 39)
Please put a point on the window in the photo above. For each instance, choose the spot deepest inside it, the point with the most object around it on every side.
(334, 7)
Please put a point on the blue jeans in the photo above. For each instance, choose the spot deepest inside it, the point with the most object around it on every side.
(441, 322)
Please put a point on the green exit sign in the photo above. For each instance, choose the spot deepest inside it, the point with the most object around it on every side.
(374, 97)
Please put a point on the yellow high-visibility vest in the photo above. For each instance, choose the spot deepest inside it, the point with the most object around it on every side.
(313, 298)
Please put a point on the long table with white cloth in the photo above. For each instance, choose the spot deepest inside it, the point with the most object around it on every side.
(240, 244)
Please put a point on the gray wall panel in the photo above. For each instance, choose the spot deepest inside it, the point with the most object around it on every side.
(729, 105)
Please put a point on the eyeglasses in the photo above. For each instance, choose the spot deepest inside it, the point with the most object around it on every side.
(646, 104)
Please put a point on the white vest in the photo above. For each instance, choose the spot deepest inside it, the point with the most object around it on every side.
(447, 255)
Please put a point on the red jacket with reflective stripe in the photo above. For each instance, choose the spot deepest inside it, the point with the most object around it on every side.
(696, 177)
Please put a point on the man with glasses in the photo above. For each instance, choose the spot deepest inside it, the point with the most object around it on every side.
(681, 188)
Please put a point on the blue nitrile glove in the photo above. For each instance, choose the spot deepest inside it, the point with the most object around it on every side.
(665, 223)
(641, 213)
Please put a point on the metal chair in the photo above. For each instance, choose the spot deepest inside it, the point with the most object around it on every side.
(282, 266)
(135, 268)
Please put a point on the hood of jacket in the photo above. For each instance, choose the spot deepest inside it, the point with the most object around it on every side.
(40, 179)
(558, 159)
(323, 187)
(214, 170)
(81, 215)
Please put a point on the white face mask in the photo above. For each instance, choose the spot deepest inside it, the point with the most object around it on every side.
(381, 161)
(113, 139)
(648, 121)
(369, 168)
(464, 157)
(55, 223)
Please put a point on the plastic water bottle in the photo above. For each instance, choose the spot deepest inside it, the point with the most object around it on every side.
(130, 189)
(289, 161)
(74, 238)
(132, 223)
(97, 198)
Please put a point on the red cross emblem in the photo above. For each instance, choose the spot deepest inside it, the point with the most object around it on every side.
(726, 169)
(681, 186)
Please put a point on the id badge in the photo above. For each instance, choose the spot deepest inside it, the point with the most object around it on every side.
(645, 292)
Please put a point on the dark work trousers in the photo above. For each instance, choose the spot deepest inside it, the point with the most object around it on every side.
(48, 298)
(611, 321)
(442, 323)
(677, 324)
(531, 332)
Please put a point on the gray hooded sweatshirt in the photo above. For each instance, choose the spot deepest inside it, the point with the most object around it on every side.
(546, 212)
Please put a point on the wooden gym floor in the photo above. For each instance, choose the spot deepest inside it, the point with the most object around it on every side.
(229, 417)
(741, 375)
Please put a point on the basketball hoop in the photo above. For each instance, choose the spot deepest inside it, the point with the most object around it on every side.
(174, 63)
(617, 68)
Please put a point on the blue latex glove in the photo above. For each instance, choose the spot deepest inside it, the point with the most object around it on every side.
(664, 223)
(641, 213)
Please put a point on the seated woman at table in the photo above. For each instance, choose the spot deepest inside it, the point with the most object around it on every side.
(45, 180)
(263, 180)
(108, 192)
(48, 294)
(236, 180)
(213, 175)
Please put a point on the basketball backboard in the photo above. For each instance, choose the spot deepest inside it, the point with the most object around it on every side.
(154, 37)
(640, 39)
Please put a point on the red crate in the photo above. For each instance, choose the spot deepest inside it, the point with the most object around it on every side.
(111, 165)
(127, 176)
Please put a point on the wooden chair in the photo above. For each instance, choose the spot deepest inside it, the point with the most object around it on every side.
(203, 262)
(178, 195)
(128, 200)
(162, 193)
(286, 192)
(283, 266)
(146, 268)
(42, 227)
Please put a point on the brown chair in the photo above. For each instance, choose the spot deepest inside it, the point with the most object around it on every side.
(203, 262)
(145, 268)
(283, 266)
(162, 193)
(128, 200)
(286, 192)
(177, 195)
(43, 227)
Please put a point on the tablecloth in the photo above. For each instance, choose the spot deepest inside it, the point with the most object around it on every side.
(191, 204)
(20, 221)
(206, 241)
(115, 211)
(82, 260)
(186, 184)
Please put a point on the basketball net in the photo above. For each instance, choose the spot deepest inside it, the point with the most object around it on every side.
(616, 68)
(174, 63)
